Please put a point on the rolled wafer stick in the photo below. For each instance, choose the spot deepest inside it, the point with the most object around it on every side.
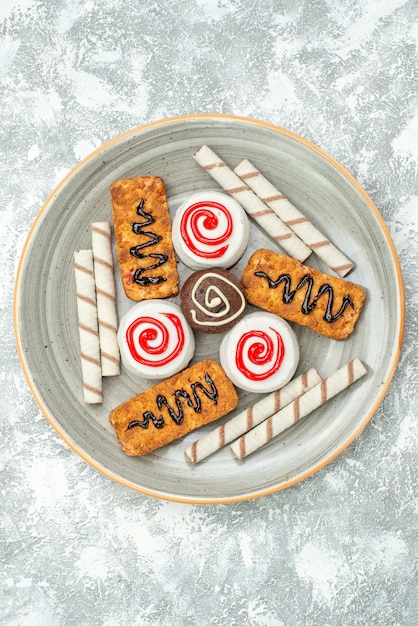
(244, 421)
(106, 299)
(251, 203)
(88, 327)
(293, 218)
(299, 408)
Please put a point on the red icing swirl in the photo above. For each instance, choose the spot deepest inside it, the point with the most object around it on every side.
(258, 348)
(153, 338)
(196, 224)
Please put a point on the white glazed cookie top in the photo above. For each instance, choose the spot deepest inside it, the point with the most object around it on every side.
(210, 229)
(155, 340)
(260, 353)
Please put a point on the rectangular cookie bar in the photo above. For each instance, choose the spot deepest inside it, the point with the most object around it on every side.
(143, 238)
(172, 408)
(298, 293)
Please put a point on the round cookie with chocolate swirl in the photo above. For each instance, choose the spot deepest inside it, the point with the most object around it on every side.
(213, 300)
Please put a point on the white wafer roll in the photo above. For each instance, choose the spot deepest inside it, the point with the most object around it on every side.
(244, 421)
(251, 203)
(106, 299)
(305, 404)
(87, 326)
(293, 218)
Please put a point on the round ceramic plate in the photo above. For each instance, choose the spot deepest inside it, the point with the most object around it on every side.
(46, 316)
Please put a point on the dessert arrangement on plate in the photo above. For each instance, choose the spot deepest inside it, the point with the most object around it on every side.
(155, 339)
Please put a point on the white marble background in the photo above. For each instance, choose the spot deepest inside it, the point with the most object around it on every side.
(340, 548)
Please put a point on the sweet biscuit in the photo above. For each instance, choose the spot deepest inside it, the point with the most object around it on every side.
(251, 416)
(293, 218)
(143, 238)
(260, 353)
(210, 229)
(91, 368)
(299, 408)
(171, 409)
(155, 339)
(328, 305)
(212, 300)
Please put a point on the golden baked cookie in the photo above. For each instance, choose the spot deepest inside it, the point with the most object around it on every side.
(279, 284)
(171, 409)
(143, 238)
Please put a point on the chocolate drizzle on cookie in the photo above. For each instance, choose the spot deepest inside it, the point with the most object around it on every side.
(193, 402)
(307, 305)
(154, 238)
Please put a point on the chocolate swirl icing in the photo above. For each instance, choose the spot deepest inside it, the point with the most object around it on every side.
(212, 300)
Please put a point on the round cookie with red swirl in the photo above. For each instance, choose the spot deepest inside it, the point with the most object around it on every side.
(210, 229)
(261, 353)
(213, 300)
(155, 340)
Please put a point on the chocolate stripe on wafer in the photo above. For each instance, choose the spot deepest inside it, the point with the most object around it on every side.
(88, 327)
(302, 406)
(293, 218)
(106, 299)
(251, 203)
(244, 421)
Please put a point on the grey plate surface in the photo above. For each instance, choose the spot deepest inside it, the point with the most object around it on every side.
(46, 318)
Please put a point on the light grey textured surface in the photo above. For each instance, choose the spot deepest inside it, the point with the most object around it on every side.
(339, 548)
